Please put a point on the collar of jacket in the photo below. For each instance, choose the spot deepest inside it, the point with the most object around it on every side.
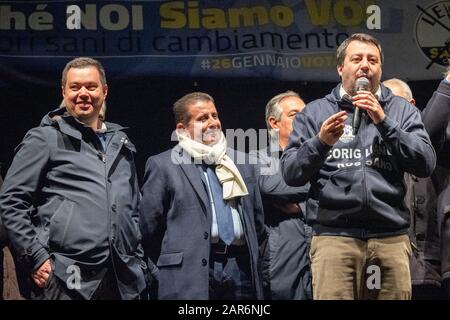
(70, 125)
(346, 103)
(273, 151)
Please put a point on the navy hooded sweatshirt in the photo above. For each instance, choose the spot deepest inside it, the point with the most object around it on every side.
(357, 187)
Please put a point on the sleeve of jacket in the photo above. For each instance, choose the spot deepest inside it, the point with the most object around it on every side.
(22, 183)
(436, 116)
(409, 142)
(153, 208)
(136, 199)
(259, 212)
(271, 182)
(305, 153)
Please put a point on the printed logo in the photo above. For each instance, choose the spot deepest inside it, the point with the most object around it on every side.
(347, 136)
(433, 32)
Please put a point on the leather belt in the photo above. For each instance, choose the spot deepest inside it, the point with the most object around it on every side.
(221, 248)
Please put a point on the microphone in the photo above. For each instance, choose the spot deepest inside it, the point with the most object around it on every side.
(361, 84)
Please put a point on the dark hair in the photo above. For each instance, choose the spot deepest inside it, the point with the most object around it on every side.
(180, 107)
(363, 37)
(83, 62)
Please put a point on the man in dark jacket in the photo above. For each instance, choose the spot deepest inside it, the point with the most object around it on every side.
(286, 269)
(420, 199)
(436, 117)
(360, 247)
(70, 198)
(201, 213)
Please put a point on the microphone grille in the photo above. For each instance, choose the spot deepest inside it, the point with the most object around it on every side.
(362, 84)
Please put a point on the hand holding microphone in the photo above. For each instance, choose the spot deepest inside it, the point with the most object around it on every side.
(365, 101)
(362, 84)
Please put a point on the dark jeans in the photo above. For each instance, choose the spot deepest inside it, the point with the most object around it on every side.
(230, 276)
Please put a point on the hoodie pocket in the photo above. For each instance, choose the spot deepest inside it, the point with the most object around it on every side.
(343, 191)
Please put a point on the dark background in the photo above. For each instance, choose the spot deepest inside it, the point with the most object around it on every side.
(145, 106)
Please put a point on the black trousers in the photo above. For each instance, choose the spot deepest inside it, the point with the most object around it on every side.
(56, 289)
(286, 265)
(230, 276)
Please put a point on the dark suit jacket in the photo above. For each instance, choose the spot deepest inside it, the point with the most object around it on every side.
(65, 199)
(286, 266)
(436, 117)
(176, 223)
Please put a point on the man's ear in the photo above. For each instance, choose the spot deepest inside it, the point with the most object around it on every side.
(180, 128)
(273, 123)
(339, 70)
(105, 90)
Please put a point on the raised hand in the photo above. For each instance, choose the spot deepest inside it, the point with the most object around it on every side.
(333, 128)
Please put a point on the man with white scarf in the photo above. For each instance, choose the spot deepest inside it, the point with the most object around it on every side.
(202, 217)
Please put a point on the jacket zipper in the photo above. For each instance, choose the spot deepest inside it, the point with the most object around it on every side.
(113, 238)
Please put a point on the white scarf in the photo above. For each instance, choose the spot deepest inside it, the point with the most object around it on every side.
(229, 176)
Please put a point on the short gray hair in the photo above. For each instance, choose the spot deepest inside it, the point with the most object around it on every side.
(180, 107)
(273, 108)
(363, 37)
(80, 63)
(402, 84)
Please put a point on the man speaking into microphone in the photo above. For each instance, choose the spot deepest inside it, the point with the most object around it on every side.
(362, 84)
(354, 146)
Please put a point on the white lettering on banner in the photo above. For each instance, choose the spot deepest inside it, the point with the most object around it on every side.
(253, 61)
(189, 14)
(289, 40)
(39, 20)
(347, 13)
(112, 17)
